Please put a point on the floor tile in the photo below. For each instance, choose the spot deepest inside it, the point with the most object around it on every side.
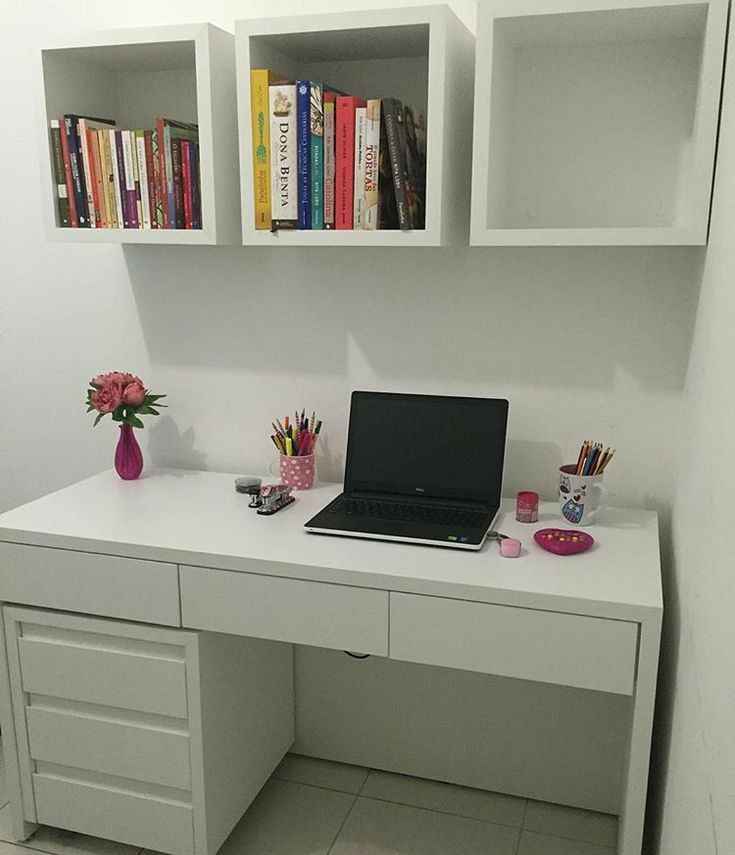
(60, 842)
(11, 849)
(383, 828)
(576, 824)
(433, 795)
(321, 773)
(544, 844)
(289, 819)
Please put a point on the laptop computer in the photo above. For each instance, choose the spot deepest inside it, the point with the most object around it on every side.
(420, 469)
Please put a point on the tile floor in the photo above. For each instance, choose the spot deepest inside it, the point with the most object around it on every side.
(314, 807)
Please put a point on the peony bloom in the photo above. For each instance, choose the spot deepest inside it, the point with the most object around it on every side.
(107, 398)
(133, 394)
(119, 378)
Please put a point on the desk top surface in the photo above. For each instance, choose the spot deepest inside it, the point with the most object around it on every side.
(197, 518)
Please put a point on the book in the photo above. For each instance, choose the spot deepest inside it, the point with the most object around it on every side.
(150, 176)
(303, 155)
(196, 196)
(395, 135)
(358, 203)
(131, 204)
(62, 195)
(73, 219)
(96, 179)
(120, 150)
(117, 184)
(84, 125)
(372, 159)
(145, 205)
(316, 148)
(77, 177)
(186, 182)
(108, 178)
(136, 173)
(178, 218)
(328, 103)
(260, 79)
(284, 193)
(415, 130)
(103, 189)
(169, 129)
(387, 211)
(157, 180)
(344, 156)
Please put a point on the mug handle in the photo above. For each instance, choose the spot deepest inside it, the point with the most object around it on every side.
(602, 489)
(275, 464)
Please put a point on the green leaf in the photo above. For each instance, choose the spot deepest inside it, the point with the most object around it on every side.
(135, 421)
(97, 420)
(90, 408)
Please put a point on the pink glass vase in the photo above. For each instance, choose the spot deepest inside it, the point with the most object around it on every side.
(128, 456)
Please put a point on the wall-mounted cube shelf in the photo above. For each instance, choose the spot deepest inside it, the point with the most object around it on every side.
(595, 121)
(184, 72)
(422, 55)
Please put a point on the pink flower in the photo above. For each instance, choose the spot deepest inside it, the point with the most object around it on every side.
(134, 393)
(107, 398)
(119, 378)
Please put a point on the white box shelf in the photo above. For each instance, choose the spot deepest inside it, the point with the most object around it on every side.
(422, 55)
(595, 121)
(183, 72)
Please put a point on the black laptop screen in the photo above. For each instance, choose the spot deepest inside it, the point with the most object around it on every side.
(427, 445)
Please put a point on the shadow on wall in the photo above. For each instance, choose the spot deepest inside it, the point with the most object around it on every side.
(561, 316)
(168, 446)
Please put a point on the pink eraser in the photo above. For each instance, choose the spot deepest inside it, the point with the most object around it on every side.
(510, 547)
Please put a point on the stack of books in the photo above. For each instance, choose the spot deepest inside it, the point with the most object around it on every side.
(326, 160)
(108, 178)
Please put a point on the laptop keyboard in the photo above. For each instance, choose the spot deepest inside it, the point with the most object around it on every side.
(401, 512)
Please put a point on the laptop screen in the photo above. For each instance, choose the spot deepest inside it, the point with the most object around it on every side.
(426, 445)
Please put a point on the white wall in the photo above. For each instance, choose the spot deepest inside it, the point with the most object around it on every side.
(584, 342)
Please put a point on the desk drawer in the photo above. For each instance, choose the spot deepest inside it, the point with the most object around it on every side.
(151, 754)
(551, 647)
(315, 613)
(111, 813)
(128, 588)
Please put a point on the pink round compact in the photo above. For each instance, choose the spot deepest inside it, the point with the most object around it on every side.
(563, 542)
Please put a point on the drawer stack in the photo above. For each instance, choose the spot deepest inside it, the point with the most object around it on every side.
(110, 726)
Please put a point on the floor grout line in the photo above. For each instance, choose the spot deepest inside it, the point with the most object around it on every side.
(520, 830)
(344, 823)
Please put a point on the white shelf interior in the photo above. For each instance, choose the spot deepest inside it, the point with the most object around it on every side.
(133, 77)
(595, 126)
(388, 53)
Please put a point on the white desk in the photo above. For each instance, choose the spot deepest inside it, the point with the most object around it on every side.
(180, 549)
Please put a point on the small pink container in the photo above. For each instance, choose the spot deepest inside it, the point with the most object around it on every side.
(527, 506)
(298, 472)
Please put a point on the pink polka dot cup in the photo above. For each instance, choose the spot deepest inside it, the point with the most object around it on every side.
(298, 472)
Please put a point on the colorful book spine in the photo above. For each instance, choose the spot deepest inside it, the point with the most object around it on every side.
(284, 193)
(80, 195)
(164, 165)
(344, 148)
(329, 159)
(143, 178)
(108, 178)
(136, 173)
(130, 197)
(96, 178)
(95, 215)
(358, 203)
(387, 211)
(73, 218)
(150, 176)
(372, 160)
(120, 151)
(303, 156)
(316, 149)
(186, 182)
(393, 118)
(157, 180)
(178, 220)
(116, 183)
(260, 123)
(62, 197)
(196, 196)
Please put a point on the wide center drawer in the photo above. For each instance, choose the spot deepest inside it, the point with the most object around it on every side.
(294, 610)
(551, 647)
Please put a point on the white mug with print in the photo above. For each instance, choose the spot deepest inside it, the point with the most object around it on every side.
(581, 497)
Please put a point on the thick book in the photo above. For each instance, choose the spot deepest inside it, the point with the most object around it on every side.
(284, 192)
(84, 125)
(372, 158)
(150, 175)
(157, 180)
(108, 177)
(73, 218)
(415, 125)
(387, 211)
(62, 195)
(77, 173)
(178, 184)
(358, 202)
(96, 174)
(260, 79)
(145, 205)
(329, 128)
(395, 135)
(186, 182)
(316, 149)
(168, 130)
(196, 195)
(344, 155)
(303, 155)
(131, 204)
(120, 150)
(116, 184)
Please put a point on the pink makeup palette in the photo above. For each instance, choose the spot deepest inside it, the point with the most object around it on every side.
(563, 541)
